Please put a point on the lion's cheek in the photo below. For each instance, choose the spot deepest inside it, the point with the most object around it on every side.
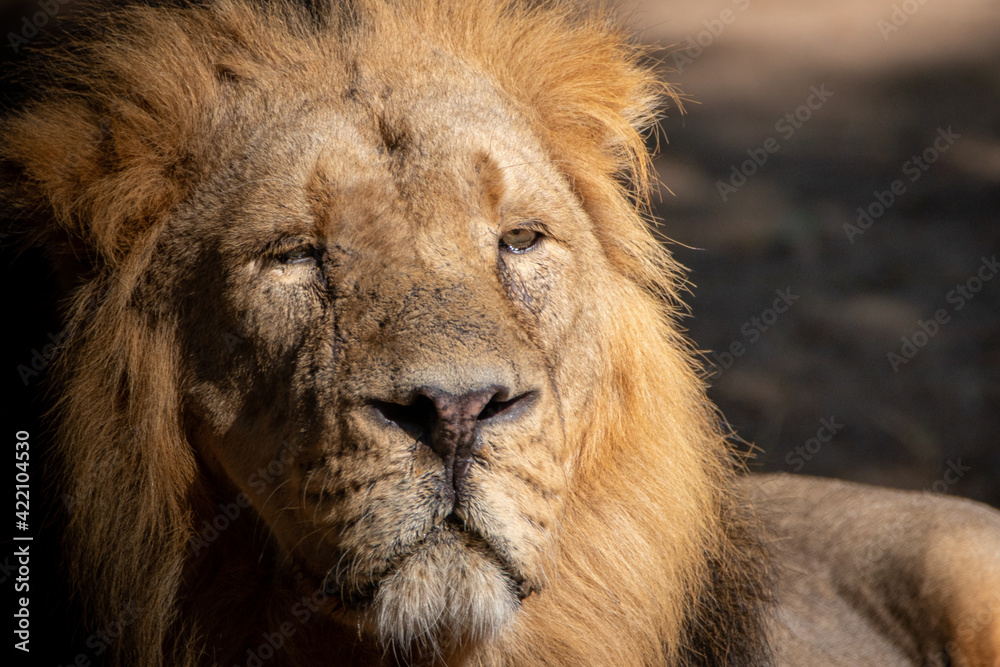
(273, 319)
(521, 522)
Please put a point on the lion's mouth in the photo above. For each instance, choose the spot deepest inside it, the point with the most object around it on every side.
(357, 594)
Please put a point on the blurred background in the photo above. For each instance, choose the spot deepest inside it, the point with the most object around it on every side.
(840, 162)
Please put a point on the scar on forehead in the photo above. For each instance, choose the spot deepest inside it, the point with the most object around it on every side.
(394, 135)
(490, 185)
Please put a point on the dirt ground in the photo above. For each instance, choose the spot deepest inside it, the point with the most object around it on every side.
(807, 112)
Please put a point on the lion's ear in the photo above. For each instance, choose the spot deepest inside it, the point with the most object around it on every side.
(48, 165)
(103, 150)
(592, 95)
(588, 89)
(72, 184)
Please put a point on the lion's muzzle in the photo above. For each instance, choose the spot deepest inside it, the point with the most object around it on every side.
(449, 423)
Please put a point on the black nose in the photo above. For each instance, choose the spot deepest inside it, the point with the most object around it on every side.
(449, 423)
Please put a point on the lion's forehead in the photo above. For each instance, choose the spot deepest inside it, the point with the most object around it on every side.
(418, 153)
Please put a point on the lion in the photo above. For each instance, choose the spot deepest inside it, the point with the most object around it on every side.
(373, 360)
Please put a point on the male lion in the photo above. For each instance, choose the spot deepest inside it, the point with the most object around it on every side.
(373, 361)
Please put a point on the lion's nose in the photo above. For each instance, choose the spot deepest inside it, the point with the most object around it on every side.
(449, 423)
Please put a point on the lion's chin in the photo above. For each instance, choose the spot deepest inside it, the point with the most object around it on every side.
(448, 592)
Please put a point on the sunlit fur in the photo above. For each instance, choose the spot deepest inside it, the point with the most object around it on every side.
(654, 561)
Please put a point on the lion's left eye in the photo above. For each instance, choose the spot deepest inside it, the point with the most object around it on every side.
(298, 255)
(520, 239)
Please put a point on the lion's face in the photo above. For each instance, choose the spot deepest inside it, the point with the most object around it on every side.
(379, 306)
(381, 267)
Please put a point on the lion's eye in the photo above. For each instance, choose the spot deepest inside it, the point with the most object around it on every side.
(520, 239)
(303, 253)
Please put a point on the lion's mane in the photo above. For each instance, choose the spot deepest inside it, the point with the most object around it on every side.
(657, 561)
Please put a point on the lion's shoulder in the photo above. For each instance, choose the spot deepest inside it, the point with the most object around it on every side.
(863, 571)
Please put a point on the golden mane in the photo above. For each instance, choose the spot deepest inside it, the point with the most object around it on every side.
(108, 149)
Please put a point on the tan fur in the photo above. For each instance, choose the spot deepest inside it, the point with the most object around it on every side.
(143, 165)
(879, 576)
(283, 229)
